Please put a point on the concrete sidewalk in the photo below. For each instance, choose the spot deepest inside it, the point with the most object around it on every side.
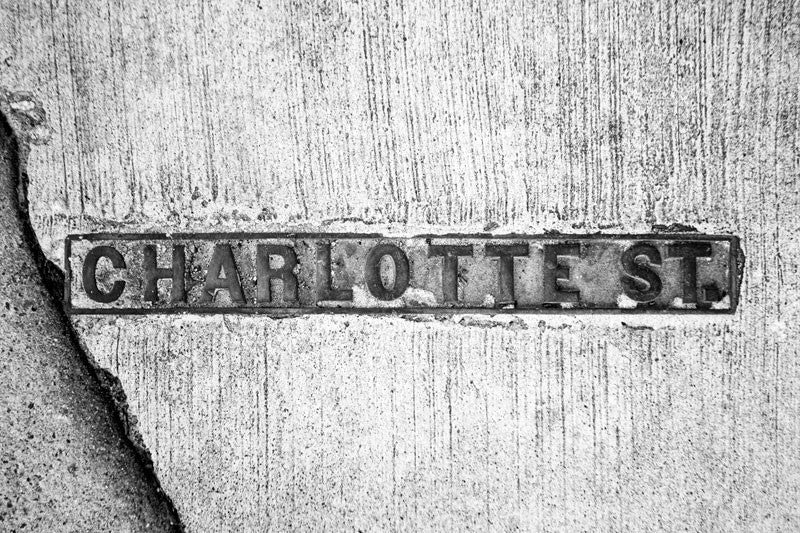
(65, 463)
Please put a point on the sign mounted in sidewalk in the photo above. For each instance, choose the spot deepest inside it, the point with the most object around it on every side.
(297, 273)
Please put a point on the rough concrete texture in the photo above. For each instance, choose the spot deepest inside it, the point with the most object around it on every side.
(65, 463)
(411, 116)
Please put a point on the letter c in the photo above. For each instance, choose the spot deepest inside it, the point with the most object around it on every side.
(90, 274)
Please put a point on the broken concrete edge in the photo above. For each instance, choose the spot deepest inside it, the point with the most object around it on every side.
(23, 123)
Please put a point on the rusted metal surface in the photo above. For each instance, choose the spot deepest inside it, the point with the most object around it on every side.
(307, 273)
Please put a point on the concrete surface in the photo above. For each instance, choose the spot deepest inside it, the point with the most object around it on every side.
(65, 463)
(419, 116)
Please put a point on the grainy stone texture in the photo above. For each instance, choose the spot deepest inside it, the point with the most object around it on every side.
(64, 462)
(405, 116)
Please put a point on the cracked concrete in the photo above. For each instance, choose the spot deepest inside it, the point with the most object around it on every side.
(65, 463)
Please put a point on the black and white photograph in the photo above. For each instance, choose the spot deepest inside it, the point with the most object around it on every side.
(399, 265)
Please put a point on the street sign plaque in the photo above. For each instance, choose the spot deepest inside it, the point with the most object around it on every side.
(298, 273)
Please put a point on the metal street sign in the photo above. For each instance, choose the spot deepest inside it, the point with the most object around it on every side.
(284, 274)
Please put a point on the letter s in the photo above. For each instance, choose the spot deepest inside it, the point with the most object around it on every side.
(640, 282)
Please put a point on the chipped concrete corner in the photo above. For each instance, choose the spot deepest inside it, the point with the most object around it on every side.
(473, 398)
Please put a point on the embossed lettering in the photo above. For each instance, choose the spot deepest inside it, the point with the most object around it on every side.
(372, 272)
(90, 274)
(640, 281)
(557, 287)
(688, 252)
(265, 273)
(151, 274)
(505, 271)
(222, 262)
(325, 289)
(450, 255)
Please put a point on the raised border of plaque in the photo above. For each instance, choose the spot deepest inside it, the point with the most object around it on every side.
(284, 274)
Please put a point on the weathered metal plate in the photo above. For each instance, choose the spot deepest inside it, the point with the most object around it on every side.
(281, 274)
